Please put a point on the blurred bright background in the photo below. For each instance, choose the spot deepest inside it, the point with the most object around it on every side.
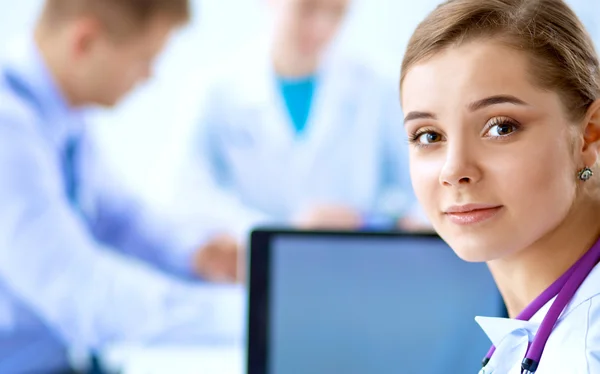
(141, 139)
(142, 144)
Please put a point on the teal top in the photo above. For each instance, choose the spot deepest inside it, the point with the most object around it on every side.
(298, 97)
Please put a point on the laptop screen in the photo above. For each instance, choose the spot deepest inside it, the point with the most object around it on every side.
(363, 304)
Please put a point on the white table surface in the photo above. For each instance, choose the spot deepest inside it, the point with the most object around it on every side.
(180, 360)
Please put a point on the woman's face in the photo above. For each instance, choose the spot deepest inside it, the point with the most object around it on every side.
(491, 155)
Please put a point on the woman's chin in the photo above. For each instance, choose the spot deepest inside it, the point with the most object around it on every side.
(474, 249)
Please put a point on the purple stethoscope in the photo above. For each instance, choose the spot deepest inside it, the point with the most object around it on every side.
(564, 288)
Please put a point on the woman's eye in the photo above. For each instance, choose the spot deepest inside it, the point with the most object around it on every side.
(429, 137)
(501, 129)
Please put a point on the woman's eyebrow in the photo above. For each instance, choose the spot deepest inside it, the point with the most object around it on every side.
(495, 100)
(474, 106)
(418, 115)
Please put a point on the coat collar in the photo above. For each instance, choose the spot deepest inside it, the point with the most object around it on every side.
(27, 75)
(497, 329)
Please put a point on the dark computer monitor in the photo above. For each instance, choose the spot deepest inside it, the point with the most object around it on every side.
(364, 303)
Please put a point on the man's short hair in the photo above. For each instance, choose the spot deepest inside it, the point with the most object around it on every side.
(120, 16)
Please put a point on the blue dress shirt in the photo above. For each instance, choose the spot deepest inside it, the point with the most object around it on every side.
(79, 261)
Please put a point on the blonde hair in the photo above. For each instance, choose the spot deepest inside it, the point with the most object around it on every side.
(562, 52)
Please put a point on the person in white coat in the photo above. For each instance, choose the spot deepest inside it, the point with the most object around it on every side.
(293, 131)
(502, 103)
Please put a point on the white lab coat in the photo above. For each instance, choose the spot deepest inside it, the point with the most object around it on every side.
(573, 346)
(249, 167)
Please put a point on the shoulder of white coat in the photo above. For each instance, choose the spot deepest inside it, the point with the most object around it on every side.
(592, 337)
(366, 72)
(213, 94)
(234, 76)
(588, 291)
(587, 303)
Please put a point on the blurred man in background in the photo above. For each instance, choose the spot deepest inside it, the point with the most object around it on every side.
(292, 131)
(71, 243)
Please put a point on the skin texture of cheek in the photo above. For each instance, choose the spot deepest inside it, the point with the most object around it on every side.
(535, 193)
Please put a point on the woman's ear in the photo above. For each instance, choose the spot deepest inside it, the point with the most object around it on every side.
(591, 135)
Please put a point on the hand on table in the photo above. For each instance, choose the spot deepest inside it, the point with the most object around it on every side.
(220, 260)
(411, 224)
(333, 217)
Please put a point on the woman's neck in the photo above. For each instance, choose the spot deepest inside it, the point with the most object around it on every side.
(526, 274)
